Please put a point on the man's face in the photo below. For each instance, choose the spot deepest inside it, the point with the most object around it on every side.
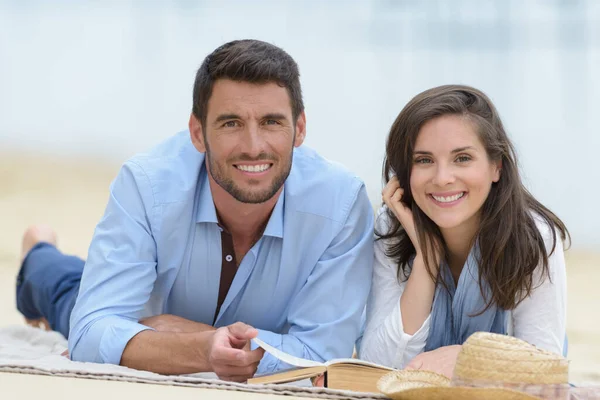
(248, 138)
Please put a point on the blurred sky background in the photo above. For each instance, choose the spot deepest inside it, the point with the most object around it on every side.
(107, 79)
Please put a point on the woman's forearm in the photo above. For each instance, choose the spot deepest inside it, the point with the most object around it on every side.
(416, 301)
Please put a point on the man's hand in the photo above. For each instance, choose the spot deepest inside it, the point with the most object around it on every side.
(229, 352)
(227, 344)
(441, 360)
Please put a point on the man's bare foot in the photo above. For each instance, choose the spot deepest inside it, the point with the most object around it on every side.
(36, 234)
(41, 323)
(32, 236)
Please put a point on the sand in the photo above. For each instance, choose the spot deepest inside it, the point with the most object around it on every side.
(70, 194)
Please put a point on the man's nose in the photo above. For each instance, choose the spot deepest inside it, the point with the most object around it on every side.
(254, 142)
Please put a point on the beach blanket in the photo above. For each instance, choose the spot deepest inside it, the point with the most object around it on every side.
(28, 350)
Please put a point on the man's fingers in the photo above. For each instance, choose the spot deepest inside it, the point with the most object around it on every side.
(227, 356)
(235, 357)
(237, 374)
(249, 357)
(239, 379)
(229, 369)
(238, 343)
(255, 356)
(242, 331)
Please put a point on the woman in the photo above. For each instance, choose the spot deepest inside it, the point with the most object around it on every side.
(462, 245)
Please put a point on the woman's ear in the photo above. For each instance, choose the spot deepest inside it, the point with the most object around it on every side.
(497, 171)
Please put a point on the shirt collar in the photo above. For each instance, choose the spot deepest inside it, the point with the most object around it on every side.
(275, 225)
(208, 213)
(206, 206)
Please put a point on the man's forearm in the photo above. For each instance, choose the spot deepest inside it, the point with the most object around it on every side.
(173, 323)
(168, 353)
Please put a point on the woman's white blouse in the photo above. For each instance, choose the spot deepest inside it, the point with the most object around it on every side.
(539, 319)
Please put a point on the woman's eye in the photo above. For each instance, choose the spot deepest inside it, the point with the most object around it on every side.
(423, 161)
(463, 158)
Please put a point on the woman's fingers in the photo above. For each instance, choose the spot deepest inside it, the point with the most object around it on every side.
(390, 187)
(390, 193)
(395, 204)
(416, 363)
(397, 196)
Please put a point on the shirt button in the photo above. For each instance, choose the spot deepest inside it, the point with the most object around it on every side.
(228, 258)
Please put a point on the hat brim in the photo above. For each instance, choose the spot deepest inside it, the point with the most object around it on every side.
(396, 381)
(459, 393)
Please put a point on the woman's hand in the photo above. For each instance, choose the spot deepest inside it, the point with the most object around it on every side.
(441, 360)
(318, 381)
(392, 197)
(417, 298)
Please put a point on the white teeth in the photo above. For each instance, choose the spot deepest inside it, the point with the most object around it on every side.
(448, 199)
(254, 168)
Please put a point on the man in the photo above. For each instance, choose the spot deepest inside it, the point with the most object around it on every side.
(233, 225)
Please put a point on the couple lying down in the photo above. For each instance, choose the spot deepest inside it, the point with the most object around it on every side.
(234, 229)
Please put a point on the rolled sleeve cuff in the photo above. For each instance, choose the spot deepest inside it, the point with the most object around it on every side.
(116, 337)
(111, 335)
(269, 363)
(408, 345)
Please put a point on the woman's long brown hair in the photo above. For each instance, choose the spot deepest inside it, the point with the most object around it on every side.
(511, 246)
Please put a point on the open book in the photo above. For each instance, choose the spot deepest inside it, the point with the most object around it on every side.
(343, 374)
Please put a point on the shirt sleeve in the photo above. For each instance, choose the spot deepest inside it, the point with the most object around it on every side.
(325, 316)
(384, 341)
(540, 319)
(119, 274)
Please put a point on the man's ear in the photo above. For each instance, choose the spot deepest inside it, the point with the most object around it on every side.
(300, 129)
(197, 134)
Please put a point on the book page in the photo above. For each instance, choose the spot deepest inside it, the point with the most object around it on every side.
(287, 358)
(303, 363)
(356, 361)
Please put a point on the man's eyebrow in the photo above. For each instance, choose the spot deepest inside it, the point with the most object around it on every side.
(276, 116)
(226, 117)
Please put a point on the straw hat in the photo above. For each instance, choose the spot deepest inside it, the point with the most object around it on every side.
(489, 366)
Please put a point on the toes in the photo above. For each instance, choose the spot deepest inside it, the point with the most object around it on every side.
(41, 323)
(36, 234)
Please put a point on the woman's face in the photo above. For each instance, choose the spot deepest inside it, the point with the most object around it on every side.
(451, 174)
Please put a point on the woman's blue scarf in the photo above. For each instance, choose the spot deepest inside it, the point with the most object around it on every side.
(454, 311)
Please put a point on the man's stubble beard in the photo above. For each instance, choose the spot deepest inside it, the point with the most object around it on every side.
(249, 196)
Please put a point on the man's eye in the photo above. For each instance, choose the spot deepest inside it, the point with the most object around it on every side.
(230, 124)
(271, 122)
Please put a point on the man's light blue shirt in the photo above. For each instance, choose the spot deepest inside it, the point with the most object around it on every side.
(157, 250)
